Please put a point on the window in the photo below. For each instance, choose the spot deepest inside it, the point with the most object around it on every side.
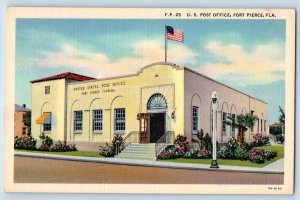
(47, 127)
(252, 114)
(23, 130)
(120, 119)
(157, 102)
(97, 120)
(224, 118)
(195, 118)
(47, 123)
(232, 128)
(47, 89)
(265, 125)
(257, 125)
(77, 121)
(261, 125)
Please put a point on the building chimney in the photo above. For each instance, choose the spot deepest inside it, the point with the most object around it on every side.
(24, 105)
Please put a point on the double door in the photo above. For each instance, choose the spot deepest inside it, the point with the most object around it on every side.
(152, 127)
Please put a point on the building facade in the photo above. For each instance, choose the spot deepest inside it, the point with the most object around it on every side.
(19, 126)
(160, 97)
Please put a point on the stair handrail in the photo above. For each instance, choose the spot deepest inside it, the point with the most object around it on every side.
(163, 140)
(132, 137)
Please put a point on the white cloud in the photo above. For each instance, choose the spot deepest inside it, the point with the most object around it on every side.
(100, 65)
(264, 64)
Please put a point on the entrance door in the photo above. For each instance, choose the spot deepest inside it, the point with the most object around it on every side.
(144, 128)
(157, 126)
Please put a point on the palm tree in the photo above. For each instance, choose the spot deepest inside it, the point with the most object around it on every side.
(242, 123)
(282, 116)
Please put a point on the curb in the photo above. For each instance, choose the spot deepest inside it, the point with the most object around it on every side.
(146, 163)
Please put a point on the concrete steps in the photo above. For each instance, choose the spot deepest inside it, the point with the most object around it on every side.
(138, 151)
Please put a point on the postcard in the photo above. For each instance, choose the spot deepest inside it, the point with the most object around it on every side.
(150, 100)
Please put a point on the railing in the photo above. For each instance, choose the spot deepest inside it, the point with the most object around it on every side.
(168, 137)
(132, 137)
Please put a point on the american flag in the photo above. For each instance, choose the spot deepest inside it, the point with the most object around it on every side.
(177, 36)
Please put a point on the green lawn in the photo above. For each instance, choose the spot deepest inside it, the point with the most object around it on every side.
(278, 149)
(246, 163)
(67, 153)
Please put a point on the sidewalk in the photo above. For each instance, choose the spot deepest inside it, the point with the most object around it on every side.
(274, 168)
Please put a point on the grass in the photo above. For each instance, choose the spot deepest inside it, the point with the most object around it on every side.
(245, 163)
(67, 153)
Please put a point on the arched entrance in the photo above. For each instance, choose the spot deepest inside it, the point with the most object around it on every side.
(153, 123)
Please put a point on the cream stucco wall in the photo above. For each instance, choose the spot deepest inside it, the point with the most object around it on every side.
(131, 93)
(55, 102)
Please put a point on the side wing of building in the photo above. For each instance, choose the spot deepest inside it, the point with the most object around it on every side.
(198, 107)
(49, 109)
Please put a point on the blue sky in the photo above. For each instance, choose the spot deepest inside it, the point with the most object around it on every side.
(248, 55)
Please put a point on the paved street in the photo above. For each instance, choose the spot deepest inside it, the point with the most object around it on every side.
(41, 170)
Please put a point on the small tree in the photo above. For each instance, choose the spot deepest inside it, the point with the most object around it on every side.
(199, 139)
(27, 122)
(282, 122)
(242, 123)
(282, 116)
(204, 141)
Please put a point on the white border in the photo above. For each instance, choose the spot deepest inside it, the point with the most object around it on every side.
(155, 13)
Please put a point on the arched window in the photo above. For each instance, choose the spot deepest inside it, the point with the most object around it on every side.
(157, 102)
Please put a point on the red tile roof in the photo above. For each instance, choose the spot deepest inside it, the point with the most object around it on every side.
(66, 75)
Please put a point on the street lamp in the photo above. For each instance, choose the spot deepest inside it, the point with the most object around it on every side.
(214, 97)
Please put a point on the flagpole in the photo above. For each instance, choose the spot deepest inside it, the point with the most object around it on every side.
(166, 44)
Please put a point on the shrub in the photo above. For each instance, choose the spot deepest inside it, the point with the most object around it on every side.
(223, 152)
(203, 141)
(167, 153)
(107, 150)
(245, 146)
(260, 139)
(207, 142)
(46, 143)
(280, 138)
(63, 146)
(258, 155)
(181, 141)
(241, 153)
(227, 151)
(197, 154)
(269, 154)
(25, 142)
(117, 143)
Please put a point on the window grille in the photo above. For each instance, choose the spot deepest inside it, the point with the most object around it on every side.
(97, 120)
(77, 121)
(120, 119)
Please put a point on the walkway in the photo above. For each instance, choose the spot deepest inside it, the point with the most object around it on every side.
(274, 168)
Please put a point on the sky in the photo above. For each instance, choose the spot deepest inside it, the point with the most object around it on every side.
(248, 55)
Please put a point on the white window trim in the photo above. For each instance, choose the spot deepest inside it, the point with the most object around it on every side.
(119, 131)
(97, 131)
(78, 131)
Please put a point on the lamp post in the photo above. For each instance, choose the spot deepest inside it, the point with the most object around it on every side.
(214, 97)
